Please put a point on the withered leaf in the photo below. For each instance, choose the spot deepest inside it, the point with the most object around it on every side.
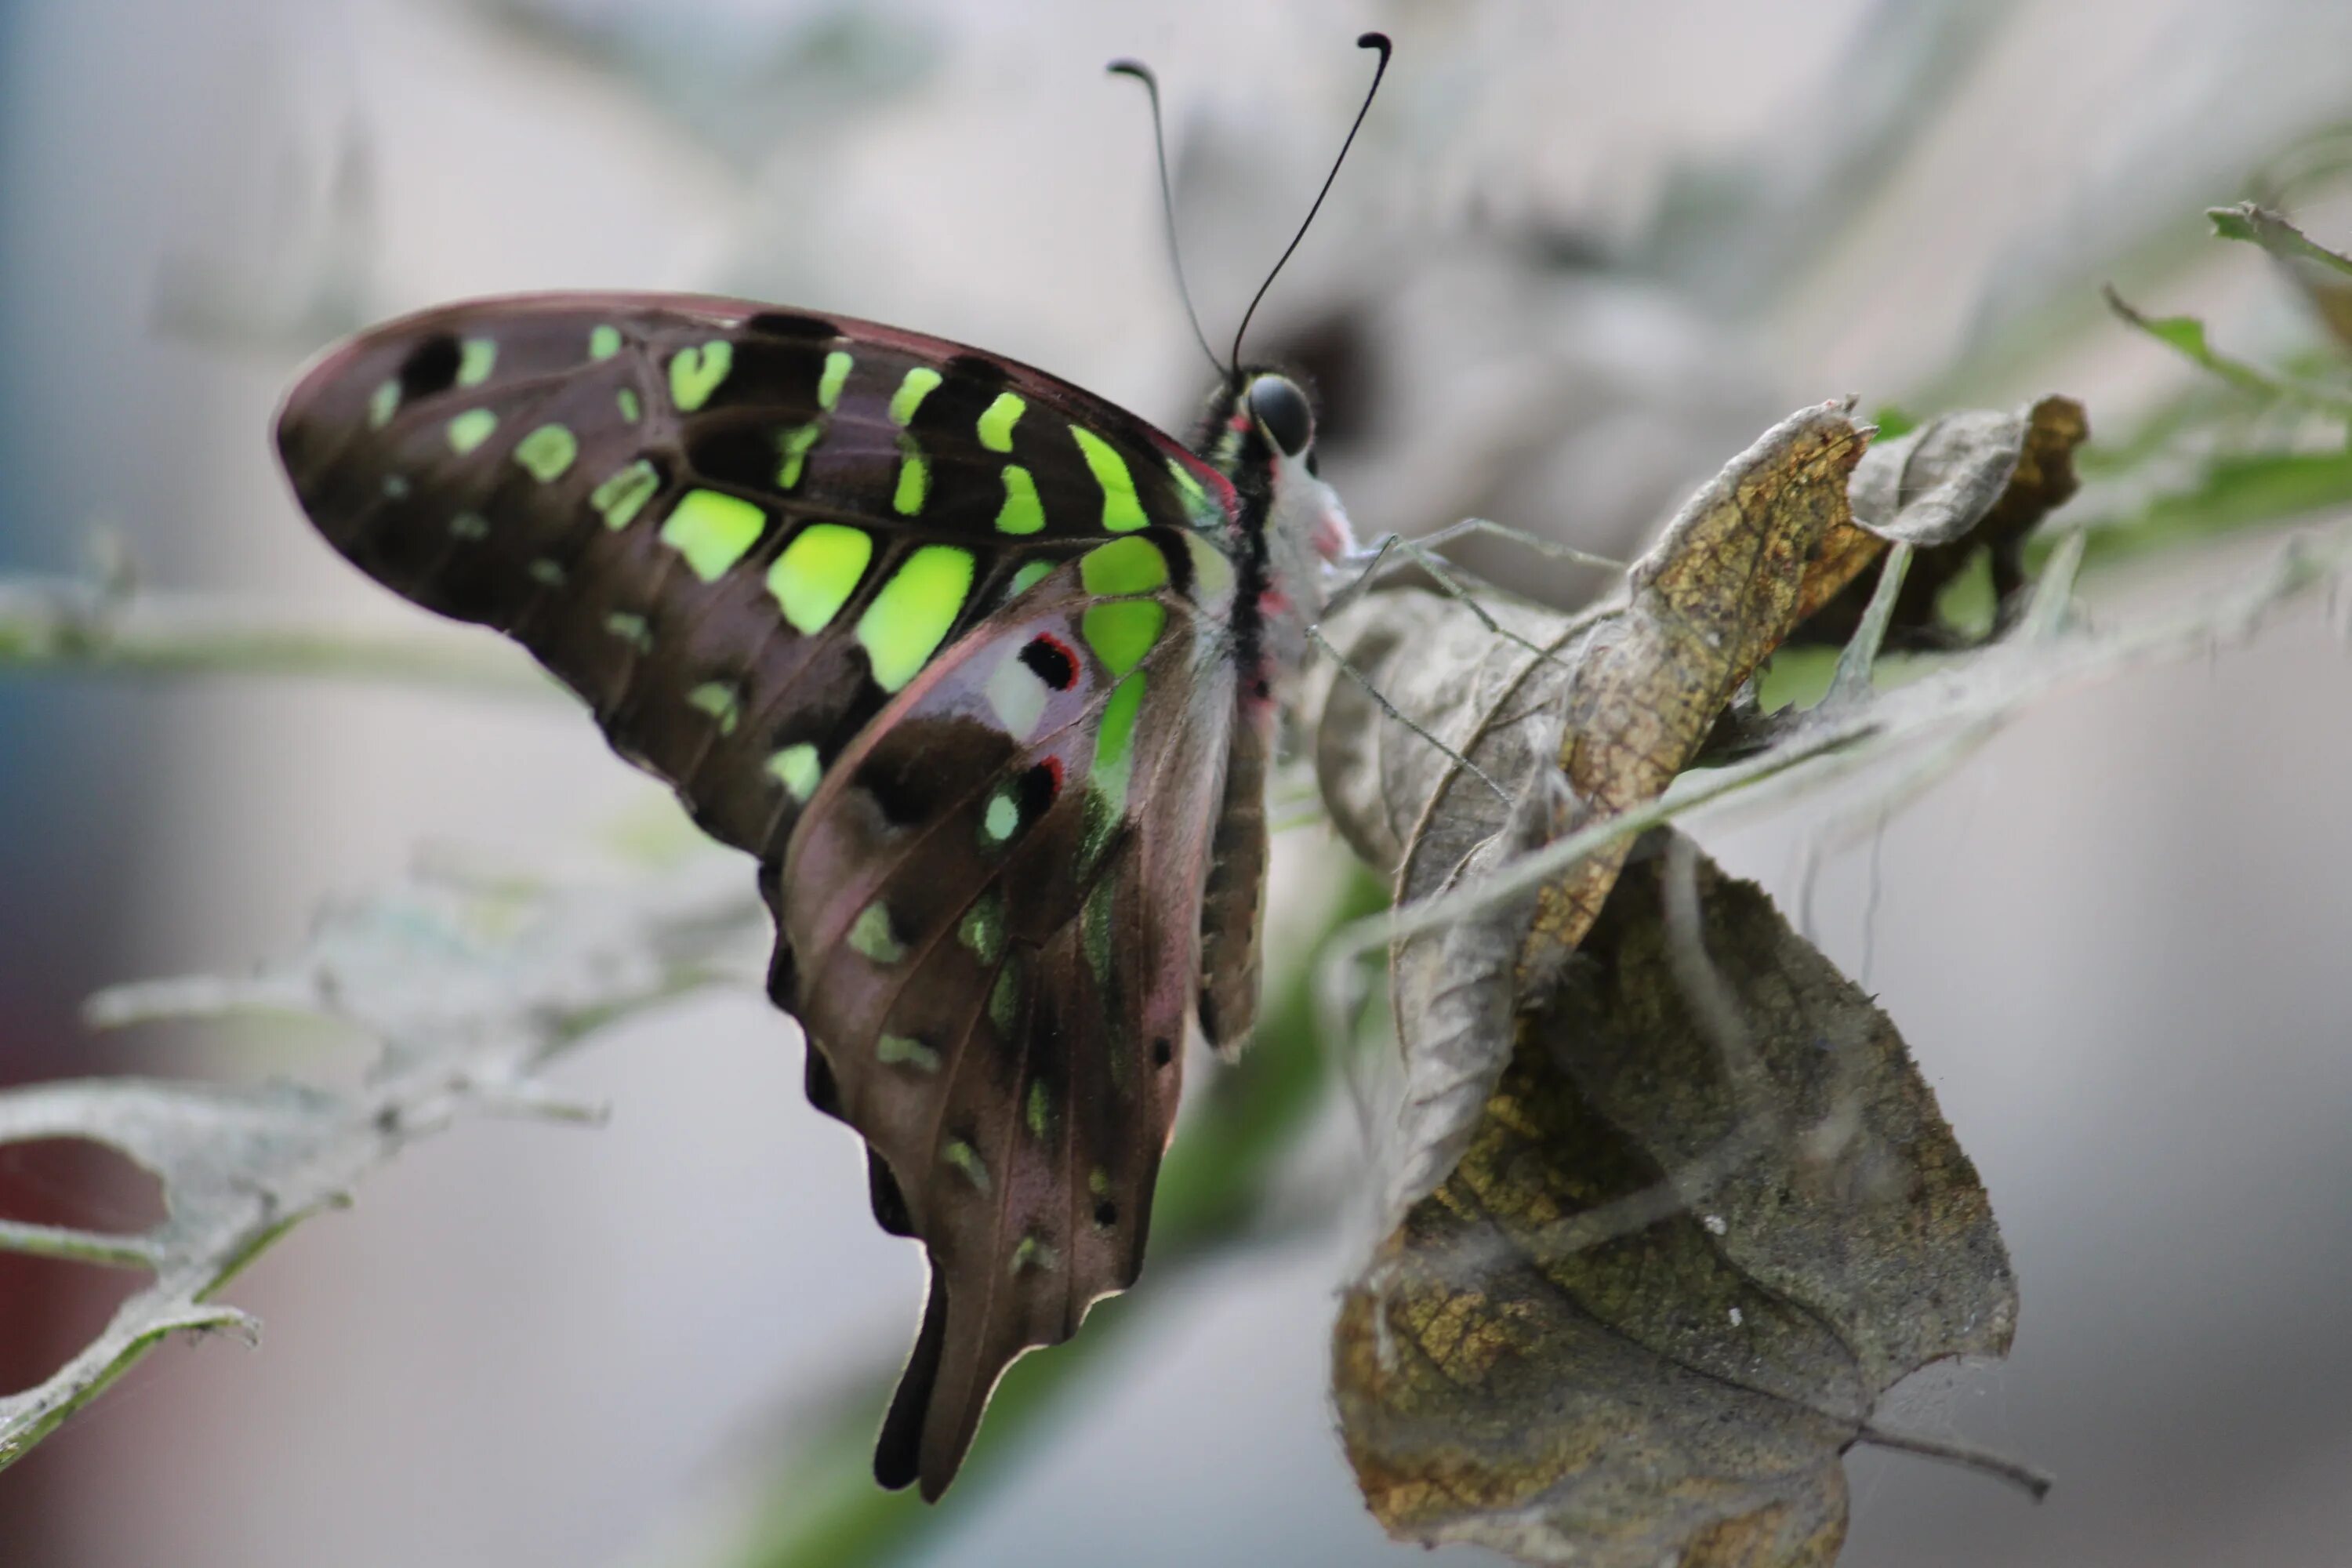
(1702, 609)
(1964, 482)
(1709, 1215)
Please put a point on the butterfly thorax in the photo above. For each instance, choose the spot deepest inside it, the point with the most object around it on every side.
(1289, 526)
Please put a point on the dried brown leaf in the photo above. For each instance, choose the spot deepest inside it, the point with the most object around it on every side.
(1676, 1267)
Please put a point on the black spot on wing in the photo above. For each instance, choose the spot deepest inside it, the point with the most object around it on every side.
(791, 324)
(431, 367)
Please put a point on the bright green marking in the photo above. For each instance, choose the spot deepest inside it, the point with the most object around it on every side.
(1124, 567)
(721, 701)
(1002, 817)
(475, 359)
(965, 1158)
(793, 449)
(997, 420)
(1032, 1253)
(712, 530)
(798, 767)
(1115, 741)
(470, 429)
(898, 1050)
(1004, 998)
(817, 572)
(1023, 512)
(1098, 1181)
(911, 612)
(630, 407)
(621, 497)
(604, 341)
(871, 936)
(547, 452)
(1029, 576)
(1122, 631)
(549, 572)
(1039, 1112)
(1095, 934)
(1186, 481)
(914, 478)
(829, 384)
(910, 394)
(1122, 509)
(631, 629)
(382, 403)
(470, 525)
(983, 929)
(695, 373)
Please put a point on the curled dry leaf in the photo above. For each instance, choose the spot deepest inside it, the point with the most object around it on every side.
(1710, 1215)
(1974, 480)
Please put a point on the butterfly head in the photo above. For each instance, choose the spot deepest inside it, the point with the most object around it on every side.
(1259, 431)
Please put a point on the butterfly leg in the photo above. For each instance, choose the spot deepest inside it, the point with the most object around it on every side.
(1314, 635)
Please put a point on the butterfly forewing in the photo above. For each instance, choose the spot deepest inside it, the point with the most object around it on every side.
(934, 635)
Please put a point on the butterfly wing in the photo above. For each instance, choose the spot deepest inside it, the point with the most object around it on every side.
(735, 531)
(992, 903)
(864, 599)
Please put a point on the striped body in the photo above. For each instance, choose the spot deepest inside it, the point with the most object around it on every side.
(980, 667)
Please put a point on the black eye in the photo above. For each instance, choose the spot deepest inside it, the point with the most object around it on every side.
(1282, 409)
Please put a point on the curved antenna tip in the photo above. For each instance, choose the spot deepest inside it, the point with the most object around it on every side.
(1376, 41)
(1136, 69)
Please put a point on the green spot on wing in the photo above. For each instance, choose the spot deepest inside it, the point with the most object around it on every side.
(1023, 512)
(1132, 565)
(911, 392)
(631, 629)
(1115, 744)
(1123, 631)
(965, 1158)
(713, 530)
(469, 525)
(1033, 1253)
(911, 612)
(798, 767)
(470, 429)
(720, 700)
(793, 447)
(695, 372)
(476, 358)
(604, 341)
(914, 479)
(901, 1050)
(1029, 576)
(547, 452)
(547, 572)
(1004, 998)
(1002, 817)
(982, 931)
(1122, 507)
(382, 403)
(871, 936)
(836, 374)
(1037, 1114)
(1094, 928)
(623, 496)
(630, 408)
(997, 420)
(818, 571)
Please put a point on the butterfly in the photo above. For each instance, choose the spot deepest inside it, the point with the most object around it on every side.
(983, 669)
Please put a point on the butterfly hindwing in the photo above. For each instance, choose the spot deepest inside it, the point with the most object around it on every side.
(993, 905)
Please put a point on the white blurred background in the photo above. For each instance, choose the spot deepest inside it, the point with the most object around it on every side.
(1583, 253)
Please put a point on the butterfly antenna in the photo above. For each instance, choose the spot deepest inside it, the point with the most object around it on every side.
(1369, 41)
(1142, 73)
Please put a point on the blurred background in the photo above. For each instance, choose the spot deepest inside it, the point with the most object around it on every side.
(1582, 253)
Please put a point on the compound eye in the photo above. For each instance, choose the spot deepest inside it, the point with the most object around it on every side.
(1282, 412)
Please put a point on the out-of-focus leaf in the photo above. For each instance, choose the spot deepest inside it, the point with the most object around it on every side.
(2323, 275)
(2185, 336)
(1962, 487)
(471, 989)
(1709, 1215)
